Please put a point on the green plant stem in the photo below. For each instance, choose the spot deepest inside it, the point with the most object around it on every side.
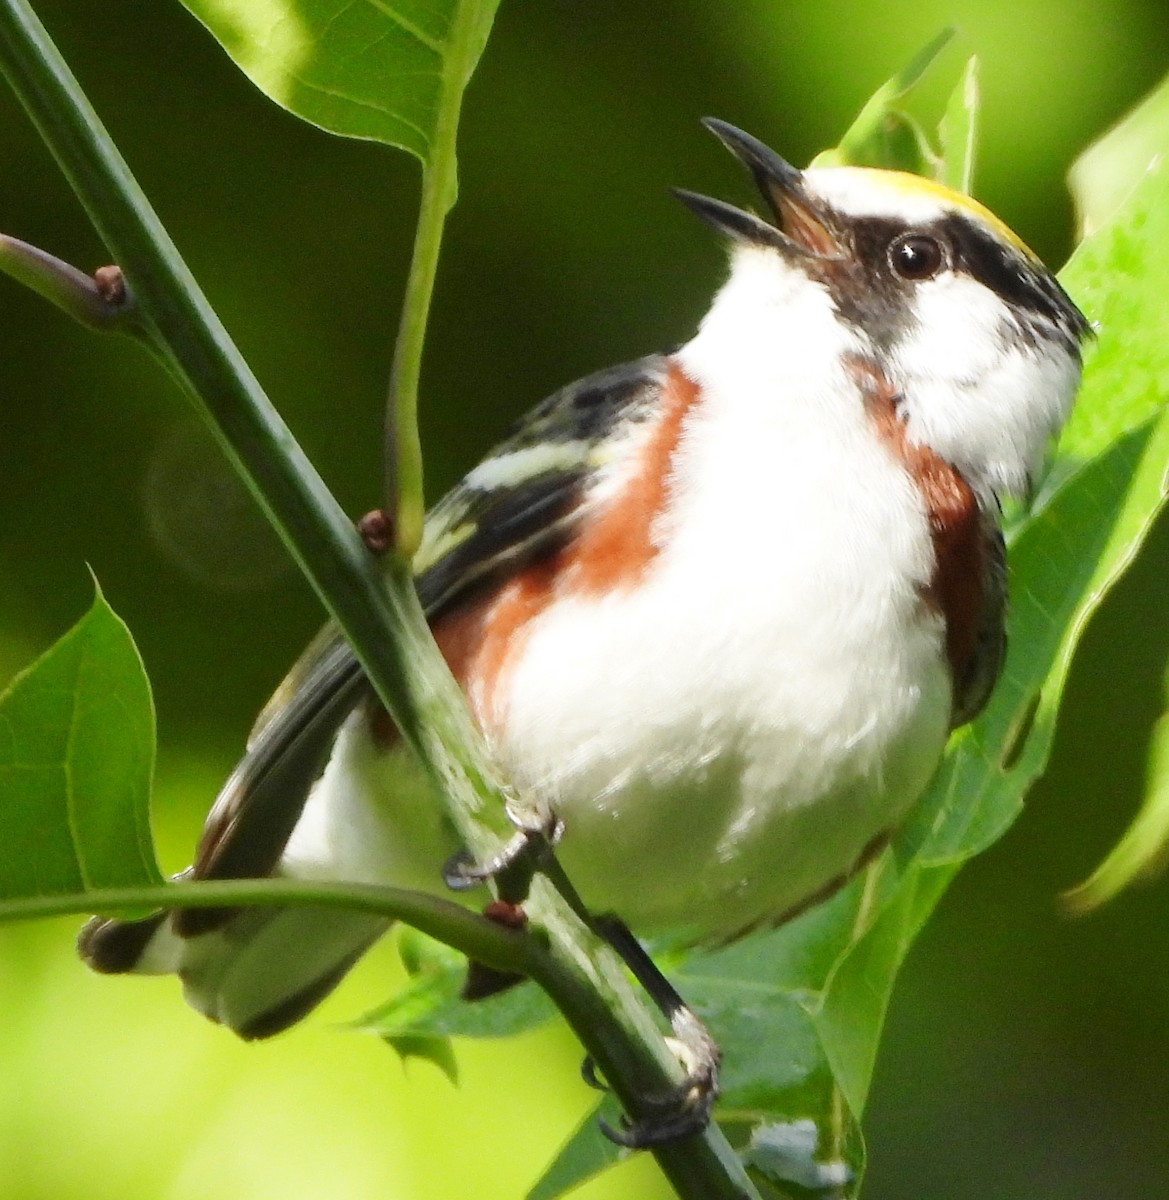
(374, 603)
(71, 290)
(704, 1168)
(439, 189)
(475, 936)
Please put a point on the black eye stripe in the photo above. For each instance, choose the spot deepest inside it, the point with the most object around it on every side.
(1008, 273)
(869, 293)
(973, 251)
(996, 266)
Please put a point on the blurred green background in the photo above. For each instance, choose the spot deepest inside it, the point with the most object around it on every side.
(1026, 1056)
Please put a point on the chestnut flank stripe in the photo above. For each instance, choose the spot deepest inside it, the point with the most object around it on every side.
(958, 587)
(482, 637)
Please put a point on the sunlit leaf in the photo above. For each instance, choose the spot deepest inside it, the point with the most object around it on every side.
(959, 132)
(1108, 170)
(377, 69)
(76, 759)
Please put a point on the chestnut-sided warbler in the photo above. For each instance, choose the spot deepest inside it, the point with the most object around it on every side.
(718, 609)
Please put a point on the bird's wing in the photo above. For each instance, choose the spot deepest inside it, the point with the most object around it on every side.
(522, 500)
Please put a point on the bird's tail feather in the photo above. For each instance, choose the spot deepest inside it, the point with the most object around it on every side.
(261, 972)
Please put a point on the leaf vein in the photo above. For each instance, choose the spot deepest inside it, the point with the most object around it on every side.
(335, 94)
(404, 23)
(67, 769)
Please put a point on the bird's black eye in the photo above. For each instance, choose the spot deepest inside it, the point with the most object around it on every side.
(916, 256)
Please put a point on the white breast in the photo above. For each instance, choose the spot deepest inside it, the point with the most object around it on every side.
(725, 739)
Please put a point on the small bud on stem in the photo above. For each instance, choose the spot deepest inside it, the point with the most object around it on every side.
(377, 531)
(100, 301)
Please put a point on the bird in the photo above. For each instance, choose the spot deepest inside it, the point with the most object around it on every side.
(718, 609)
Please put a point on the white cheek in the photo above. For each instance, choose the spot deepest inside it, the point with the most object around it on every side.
(955, 337)
(987, 407)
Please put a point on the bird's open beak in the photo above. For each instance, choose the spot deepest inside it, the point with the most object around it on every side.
(799, 228)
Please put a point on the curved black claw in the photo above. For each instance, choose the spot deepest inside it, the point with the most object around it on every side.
(460, 872)
(588, 1072)
(682, 1114)
(684, 1110)
(534, 838)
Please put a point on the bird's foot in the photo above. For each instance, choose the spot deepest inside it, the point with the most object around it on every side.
(536, 834)
(685, 1109)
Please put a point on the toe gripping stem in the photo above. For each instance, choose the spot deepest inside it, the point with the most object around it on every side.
(511, 870)
(528, 850)
(685, 1109)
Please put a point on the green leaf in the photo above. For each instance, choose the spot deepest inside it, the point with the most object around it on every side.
(1108, 170)
(1106, 486)
(431, 1005)
(384, 70)
(849, 1018)
(883, 134)
(1141, 851)
(76, 761)
(959, 132)
(436, 1050)
(586, 1153)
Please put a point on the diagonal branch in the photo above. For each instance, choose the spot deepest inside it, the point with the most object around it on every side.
(374, 603)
